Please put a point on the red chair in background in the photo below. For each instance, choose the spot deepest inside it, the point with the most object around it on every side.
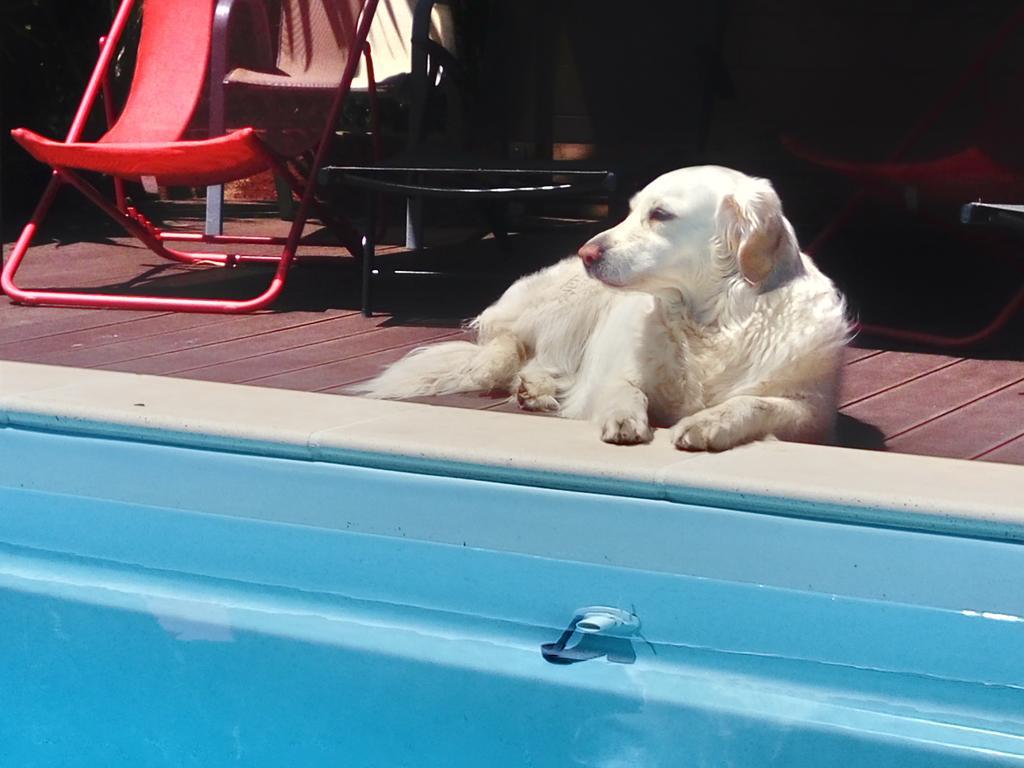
(151, 143)
(952, 181)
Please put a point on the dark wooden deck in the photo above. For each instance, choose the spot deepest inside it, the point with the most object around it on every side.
(315, 340)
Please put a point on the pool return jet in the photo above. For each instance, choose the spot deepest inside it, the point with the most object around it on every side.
(602, 631)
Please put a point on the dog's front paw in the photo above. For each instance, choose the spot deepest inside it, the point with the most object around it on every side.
(707, 431)
(536, 393)
(626, 429)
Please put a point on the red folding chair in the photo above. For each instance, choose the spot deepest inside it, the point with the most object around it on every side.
(148, 143)
(950, 181)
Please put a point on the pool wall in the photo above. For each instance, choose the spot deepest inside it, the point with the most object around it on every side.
(208, 574)
(839, 521)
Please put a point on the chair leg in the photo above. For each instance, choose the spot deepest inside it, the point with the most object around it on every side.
(414, 223)
(285, 201)
(336, 221)
(215, 210)
(368, 258)
(494, 215)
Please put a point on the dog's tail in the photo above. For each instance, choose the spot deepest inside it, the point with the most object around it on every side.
(442, 369)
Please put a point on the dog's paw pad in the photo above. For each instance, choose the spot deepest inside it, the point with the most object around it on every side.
(626, 430)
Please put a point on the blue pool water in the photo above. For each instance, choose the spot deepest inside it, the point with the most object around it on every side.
(168, 606)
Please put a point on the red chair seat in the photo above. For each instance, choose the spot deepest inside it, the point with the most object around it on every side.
(173, 163)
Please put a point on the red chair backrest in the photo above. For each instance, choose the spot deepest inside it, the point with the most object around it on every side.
(170, 71)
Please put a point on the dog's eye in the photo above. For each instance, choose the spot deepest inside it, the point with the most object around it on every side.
(660, 214)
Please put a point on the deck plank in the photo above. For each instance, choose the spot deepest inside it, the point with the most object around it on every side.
(854, 354)
(251, 344)
(969, 431)
(24, 325)
(1011, 452)
(899, 409)
(88, 264)
(148, 328)
(874, 374)
(229, 328)
(349, 359)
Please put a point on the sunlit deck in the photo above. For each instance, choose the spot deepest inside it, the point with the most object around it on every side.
(910, 402)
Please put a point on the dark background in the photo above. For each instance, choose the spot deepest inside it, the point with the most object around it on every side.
(48, 48)
(647, 87)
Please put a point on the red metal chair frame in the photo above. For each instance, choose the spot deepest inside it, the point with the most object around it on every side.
(136, 225)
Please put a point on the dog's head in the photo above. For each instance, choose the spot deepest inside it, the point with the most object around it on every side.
(696, 230)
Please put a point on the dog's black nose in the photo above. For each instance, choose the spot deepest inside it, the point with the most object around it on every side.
(591, 252)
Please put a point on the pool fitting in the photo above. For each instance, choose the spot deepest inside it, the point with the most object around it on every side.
(603, 631)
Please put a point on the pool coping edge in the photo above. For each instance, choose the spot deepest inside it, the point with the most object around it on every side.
(823, 482)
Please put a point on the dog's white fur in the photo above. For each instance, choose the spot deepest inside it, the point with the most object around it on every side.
(704, 314)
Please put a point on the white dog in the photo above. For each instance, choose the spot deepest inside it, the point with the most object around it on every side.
(697, 311)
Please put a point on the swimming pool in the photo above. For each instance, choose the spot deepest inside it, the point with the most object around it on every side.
(203, 591)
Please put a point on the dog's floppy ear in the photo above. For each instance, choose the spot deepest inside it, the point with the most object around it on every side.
(754, 228)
